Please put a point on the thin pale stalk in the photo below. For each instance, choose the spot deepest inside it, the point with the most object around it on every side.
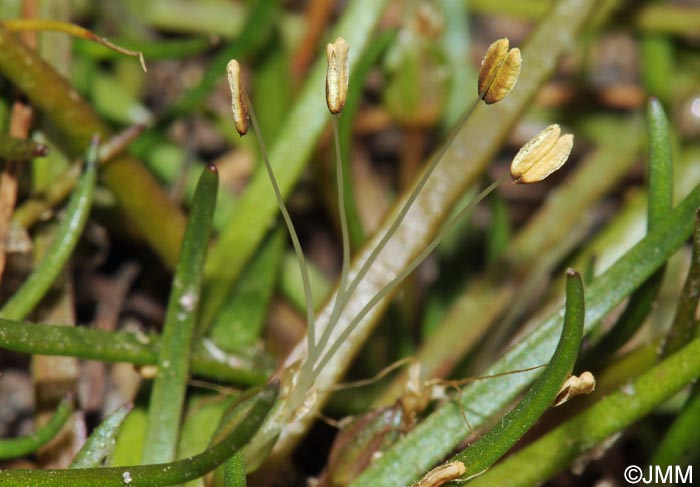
(376, 250)
(446, 228)
(345, 125)
(340, 293)
(310, 318)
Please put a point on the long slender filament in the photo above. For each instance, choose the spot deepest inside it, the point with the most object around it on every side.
(444, 230)
(343, 300)
(340, 293)
(310, 318)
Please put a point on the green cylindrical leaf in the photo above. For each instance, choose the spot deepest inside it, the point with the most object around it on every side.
(559, 448)
(157, 475)
(234, 471)
(18, 447)
(685, 324)
(67, 236)
(117, 346)
(101, 442)
(660, 163)
(680, 444)
(168, 393)
(487, 449)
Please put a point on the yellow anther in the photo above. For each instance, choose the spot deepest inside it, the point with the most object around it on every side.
(541, 156)
(337, 74)
(238, 101)
(499, 71)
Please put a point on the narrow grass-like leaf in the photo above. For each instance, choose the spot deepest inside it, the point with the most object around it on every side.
(117, 346)
(15, 149)
(234, 471)
(685, 323)
(636, 311)
(485, 451)
(660, 163)
(255, 409)
(67, 236)
(444, 429)
(168, 394)
(679, 445)
(101, 442)
(660, 203)
(18, 447)
(560, 447)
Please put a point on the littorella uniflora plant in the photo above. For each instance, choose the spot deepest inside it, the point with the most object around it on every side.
(300, 373)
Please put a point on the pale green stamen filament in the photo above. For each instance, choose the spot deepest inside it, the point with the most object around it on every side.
(406, 271)
(311, 323)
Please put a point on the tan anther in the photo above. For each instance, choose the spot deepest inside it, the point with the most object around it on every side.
(442, 474)
(541, 155)
(575, 386)
(499, 71)
(337, 74)
(238, 100)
